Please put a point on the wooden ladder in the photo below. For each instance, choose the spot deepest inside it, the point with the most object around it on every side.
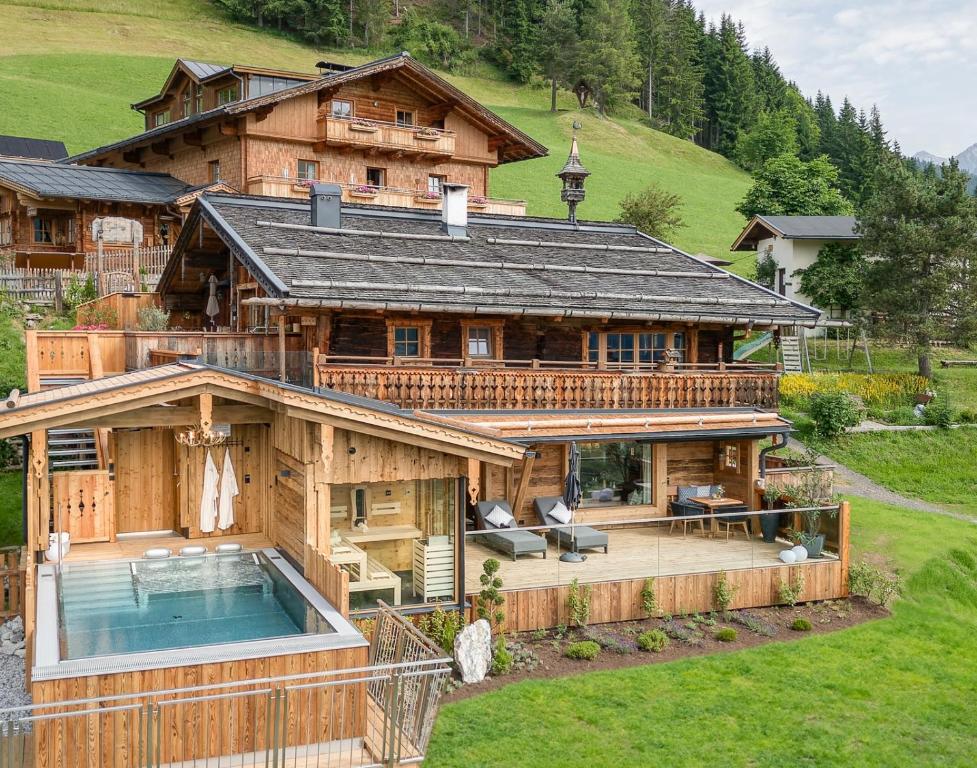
(790, 353)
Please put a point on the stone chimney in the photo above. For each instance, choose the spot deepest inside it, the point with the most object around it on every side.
(454, 209)
(573, 175)
(325, 200)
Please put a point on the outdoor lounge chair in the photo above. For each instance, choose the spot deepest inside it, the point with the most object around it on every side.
(575, 538)
(509, 541)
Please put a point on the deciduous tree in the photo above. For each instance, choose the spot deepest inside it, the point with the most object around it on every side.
(787, 186)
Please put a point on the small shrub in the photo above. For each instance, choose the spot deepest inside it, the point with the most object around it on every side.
(502, 658)
(649, 604)
(560, 630)
(754, 623)
(653, 641)
(801, 625)
(790, 591)
(873, 583)
(538, 635)
(611, 642)
(938, 413)
(725, 635)
(833, 413)
(584, 650)
(490, 600)
(723, 592)
(77, 292)
(968, 416)
(578, 603)
(677, 632)
(152, 319)
(904, 415)
(442, 626)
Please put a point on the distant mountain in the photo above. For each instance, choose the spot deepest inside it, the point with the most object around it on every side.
(967, 160)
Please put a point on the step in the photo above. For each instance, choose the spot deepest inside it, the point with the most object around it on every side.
(76, 452)
(77, 464)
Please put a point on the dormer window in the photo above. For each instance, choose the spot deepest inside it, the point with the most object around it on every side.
(226, 95)
(198, 98)
(186, 103)
(161, 118)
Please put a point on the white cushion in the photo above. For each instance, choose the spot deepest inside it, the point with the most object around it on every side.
(156, 553)
(193, 551)
(499, 517)
(560, 513)
(224, 549)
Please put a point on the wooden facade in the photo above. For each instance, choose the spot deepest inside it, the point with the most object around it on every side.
(394, 129)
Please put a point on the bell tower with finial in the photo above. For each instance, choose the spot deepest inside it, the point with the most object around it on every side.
(573, 175)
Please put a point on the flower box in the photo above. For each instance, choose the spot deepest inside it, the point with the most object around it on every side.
(427, 197)
(363, 127)
(363, 191)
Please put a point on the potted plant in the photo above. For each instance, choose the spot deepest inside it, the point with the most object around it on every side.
(477, 201)
(811, 537)
(364, 190)
(770, 524)
(427, 134)
(363, 126)
(430, 196)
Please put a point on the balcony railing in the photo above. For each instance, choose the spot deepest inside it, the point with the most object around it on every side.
(541, 384)
(389, 137)
(398, 197)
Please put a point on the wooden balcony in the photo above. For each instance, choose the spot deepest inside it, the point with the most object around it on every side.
(385, 137)
(280, 186)
(540, 385)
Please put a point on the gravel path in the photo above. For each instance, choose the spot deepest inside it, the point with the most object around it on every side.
(850, 482)
(13, 692)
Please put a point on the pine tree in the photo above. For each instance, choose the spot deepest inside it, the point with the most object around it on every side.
(729, 87)
(921, 230)
(557, 45)
(608, 63)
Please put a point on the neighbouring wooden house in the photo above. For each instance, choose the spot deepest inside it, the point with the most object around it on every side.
(389, 132)
(52, 214)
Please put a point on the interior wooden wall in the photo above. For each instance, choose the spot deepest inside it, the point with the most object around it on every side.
(548, 474)
(145, 480)
(375, 459)
(739, 482)
(691, 463)
(248, 448)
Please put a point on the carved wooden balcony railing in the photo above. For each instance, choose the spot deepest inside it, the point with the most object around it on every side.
(386, 137)
(441, 386)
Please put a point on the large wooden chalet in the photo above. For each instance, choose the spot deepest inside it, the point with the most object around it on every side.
(390, 132)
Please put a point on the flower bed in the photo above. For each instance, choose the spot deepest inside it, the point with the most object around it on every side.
(876, 390)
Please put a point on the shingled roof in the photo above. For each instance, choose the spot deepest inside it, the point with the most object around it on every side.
(81, 182)
(796, 228)
(401, 260)
(35, 149)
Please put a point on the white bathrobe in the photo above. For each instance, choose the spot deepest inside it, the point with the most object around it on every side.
(208, 499)
(228, 490)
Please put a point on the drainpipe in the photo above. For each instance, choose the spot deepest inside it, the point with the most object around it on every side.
(768, 449)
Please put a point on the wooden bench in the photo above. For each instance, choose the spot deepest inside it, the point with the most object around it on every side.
(377, 576)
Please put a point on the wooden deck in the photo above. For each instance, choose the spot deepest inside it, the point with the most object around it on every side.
(132, 548)
(633, 553)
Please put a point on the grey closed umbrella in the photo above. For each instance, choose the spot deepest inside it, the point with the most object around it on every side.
(571, 497)
(213, 308)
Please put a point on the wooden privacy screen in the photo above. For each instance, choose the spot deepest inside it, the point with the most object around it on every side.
(331, 580)
(84, 505)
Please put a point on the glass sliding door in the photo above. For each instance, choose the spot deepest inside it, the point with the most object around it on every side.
(615, 474)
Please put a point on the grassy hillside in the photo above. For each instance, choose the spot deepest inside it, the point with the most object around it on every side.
(70, 68)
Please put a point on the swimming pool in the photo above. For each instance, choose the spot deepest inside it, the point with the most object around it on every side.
(179, 610)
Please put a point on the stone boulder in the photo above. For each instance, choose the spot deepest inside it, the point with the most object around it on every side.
(473, 651)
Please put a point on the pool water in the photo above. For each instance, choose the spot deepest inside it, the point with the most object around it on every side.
(149, 605)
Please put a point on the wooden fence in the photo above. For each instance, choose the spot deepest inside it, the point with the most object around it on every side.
(144, 261)
(36, 287)
(12, 583)
(117, 310)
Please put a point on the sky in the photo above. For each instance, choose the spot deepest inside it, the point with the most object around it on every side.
(917, 60)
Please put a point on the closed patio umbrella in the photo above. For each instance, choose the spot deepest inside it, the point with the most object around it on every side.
(571, 497)
(213, 308)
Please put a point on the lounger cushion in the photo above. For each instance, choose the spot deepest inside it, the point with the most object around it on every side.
(499, 517)
(686, 492)
(156, 553)
(560, 513)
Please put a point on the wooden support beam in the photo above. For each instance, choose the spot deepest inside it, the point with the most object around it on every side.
(474, 475)
(33, 361)
(523, 488)
(228, 129)
(206, 411)
(281, 347)
(844, 547)
(181, 416)
(318, 524)
(194, 138)
(38, 492)
(161, 148)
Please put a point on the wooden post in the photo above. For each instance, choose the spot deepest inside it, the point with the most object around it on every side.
(39, 494)
(844, 550)
(33, 360)
(58, 293)
(206, 411)
(315, 367)
(100, 265)
(281, 347)
(527, 470)
(136, 277)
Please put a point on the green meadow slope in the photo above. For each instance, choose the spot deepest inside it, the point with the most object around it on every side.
(69, 69)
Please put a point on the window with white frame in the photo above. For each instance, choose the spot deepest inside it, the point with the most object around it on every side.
(479, 341)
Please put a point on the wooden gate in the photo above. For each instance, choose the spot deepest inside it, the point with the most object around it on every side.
(84, 505)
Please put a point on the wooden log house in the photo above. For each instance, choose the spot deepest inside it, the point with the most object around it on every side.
(390, 132)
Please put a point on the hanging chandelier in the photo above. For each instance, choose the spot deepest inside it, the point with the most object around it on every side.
(198, 437)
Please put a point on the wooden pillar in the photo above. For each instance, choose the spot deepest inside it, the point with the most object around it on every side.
(206, 405)
(473, 471)
(318, 505)
(100, 265)
(659, 461)
(523, 488)
(136, 276)
(844, 548)
(281, 347)
(38, 492)
(33, 360)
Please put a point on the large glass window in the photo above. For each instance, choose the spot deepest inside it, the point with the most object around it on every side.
(615, 474)
(262, 85)
(396, 540)
(643, 349)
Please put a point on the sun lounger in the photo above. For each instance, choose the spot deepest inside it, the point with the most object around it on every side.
(509, 541)
(575, 538)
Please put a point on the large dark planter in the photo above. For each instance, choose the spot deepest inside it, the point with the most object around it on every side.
(769, 525)
(814, 546)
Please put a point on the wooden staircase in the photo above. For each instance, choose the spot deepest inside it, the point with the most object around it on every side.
(794, 354)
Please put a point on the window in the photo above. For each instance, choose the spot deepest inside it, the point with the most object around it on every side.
(641, 349)
(214, 171)
(405, 119)
(434, 184)
(161, 118)
(42, 230)
(308, 170)
(342, 108)
(186, 102)
(198, 98)
(479, 341)
(6, 231)
(375, 177)
(615, 474)
(227, 95)
(407, 341)
(262, 85)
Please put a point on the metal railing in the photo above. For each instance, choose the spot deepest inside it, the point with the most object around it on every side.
(378, 715)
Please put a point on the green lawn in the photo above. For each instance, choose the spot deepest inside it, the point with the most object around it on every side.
(10, 509)
(97, 58)
(868, 696)
(937, 466)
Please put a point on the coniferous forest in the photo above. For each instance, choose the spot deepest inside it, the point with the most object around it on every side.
(693, 78)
